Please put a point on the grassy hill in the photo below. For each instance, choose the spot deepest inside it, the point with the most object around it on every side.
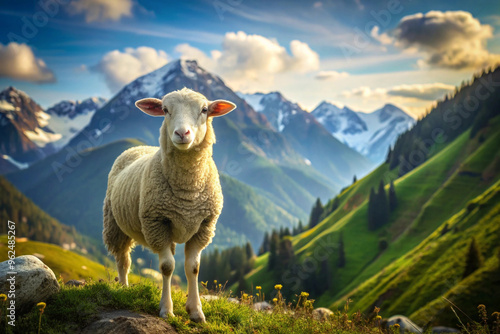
(33, 223)
(414, 284)
(453, 173)
(66, 263)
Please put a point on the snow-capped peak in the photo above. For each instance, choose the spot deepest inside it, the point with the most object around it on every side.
(369, 133)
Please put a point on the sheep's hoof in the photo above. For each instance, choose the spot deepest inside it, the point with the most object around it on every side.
(166, 314)
(197, 317)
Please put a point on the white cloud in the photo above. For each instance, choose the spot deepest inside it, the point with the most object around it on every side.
(453, 39)
(119, 68)
(253, 57)
(430, 92)
(426, 92)
(331, 75)
(101, 10)
(382, 38)
(17, 61)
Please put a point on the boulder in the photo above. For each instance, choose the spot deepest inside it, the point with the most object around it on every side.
(262, 306)
(126, 322)
(209, 298)
(406, 325)
(321, 313)
(74, 282)
(33, 282)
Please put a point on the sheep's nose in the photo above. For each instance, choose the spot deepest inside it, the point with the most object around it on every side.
(182, 133)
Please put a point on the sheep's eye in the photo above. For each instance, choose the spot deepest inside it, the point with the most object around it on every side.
(204, 110)
(165, 110)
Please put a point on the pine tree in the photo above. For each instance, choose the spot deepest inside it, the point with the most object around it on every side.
(249, 250)
(285, 256)
(273, 250)
(265, 244)
(382, 206)
(371, 210)
(341, 263)
(354, 179)
(389, 155)
(393, 201)
(301, 227)
(316, 212)
(474, 260)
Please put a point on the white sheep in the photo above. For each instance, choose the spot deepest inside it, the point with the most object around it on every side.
(159, 197)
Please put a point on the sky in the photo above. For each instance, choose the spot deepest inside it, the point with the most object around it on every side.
(358, 53)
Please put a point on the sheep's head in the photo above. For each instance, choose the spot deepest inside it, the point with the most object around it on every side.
(186, 113)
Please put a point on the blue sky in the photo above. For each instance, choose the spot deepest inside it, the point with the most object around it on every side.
(359, 53)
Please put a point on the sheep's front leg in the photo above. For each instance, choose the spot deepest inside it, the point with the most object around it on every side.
(167, 265)
(192, 253)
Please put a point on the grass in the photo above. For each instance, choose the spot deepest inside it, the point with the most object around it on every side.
(64, 263)
(428, 196)
(73, 308)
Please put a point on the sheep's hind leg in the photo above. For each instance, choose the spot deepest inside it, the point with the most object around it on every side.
(167, 265)
(118, 243)
(192, 267)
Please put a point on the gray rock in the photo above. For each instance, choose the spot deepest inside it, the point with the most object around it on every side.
(209, 298)
(74, 282)
(262, 306)
(233, 300)
(126, 322)
(34, 282)
(321, 313)
(406, 325)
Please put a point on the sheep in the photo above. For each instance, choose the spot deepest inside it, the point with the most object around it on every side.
(162, 196)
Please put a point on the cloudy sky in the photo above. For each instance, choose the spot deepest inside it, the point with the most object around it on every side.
(358, 53)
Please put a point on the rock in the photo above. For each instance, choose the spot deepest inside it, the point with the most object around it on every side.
(321, 313)
(233, 300)
(441, 329)
(404, 323)
(126, 322)
(34, 282)
(74, 282)
(209, 298)
(262, 306)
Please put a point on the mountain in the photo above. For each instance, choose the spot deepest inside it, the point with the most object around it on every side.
(25, 136)
(371, 134)
(419, 253)
(309, 138)
(247, 148)
(33, 223)
(29, 133)
(68, 118)
(247, 214)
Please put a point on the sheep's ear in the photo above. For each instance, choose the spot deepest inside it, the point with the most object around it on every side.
(150, 106)
(220, 107)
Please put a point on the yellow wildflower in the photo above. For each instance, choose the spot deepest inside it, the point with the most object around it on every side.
(396, 326)
(275, 300)
(215, 281)
(258, 287)
(278, 286)
(378, 317)
(304, 294)
(41, 306)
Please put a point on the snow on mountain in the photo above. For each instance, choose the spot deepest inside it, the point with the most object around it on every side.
(68, 118)
(370, 134)
(274, 106)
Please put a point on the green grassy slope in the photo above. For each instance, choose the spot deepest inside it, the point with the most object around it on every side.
(414, 284)
(33, 223)
(68, 264)
(427, 196)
